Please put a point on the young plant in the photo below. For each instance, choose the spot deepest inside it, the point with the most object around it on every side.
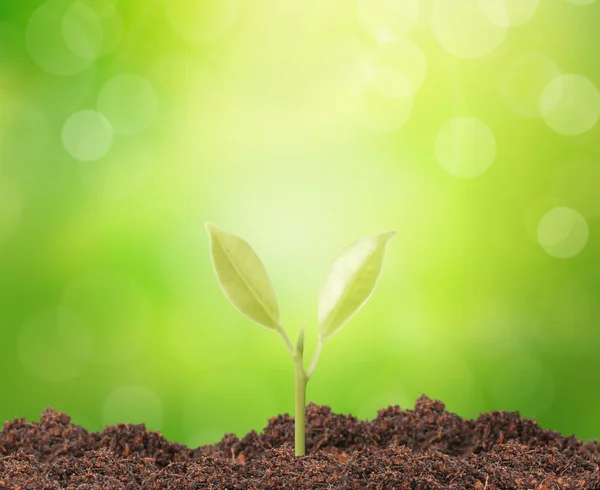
(349, 284)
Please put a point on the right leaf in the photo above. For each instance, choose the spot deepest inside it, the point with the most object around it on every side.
(351, 282)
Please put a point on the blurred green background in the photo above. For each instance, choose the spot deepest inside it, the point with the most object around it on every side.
(469, 126)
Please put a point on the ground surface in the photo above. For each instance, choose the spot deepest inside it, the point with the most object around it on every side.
(424, 448)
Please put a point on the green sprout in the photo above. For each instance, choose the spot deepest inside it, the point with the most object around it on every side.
(348, 286)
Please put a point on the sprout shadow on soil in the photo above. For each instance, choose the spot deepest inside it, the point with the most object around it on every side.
(349, 284)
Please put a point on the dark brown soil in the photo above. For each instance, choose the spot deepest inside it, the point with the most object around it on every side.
(424, 448)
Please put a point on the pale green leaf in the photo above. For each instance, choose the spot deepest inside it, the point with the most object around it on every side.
(243, 277)
(351, 282)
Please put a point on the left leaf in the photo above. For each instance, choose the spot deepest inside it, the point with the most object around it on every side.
(243, 277)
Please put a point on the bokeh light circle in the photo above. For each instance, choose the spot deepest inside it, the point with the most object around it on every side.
(570, 104)
(54, 28)
(203, 21)
(397, 69)
(87, 136)
(387, 19)
(112, 311)
(563, 232)
(111, 22)
(376, 112)
(130, 103)
(82, 31)
(133, 405)
(43, 352)
(10, 209)
(465, 147)
(463, 30)
(523, 80)
(509, 13)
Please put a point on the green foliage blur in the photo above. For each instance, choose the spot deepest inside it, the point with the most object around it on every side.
(125, 125)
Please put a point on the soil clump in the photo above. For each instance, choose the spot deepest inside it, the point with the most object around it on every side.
(424, 448)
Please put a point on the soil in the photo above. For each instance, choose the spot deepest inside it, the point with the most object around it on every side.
(424, 448)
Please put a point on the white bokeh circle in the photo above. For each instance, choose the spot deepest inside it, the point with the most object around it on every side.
(202, 21)
(463, 30)
(465, 147)
(113, 312)
(46, 42)
(509, 13)
(133, 405)
(82, 31)
(378, 113)
(563, 232)
(387, 19)
(397, 69)
(570, 104)
(87, 136)
(129, 102)
(111, 22)
(523, 80)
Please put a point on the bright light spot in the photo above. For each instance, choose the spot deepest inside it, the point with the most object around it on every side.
(130, 103)
(44, 353)
(575, 183)
(10, 209)
(112, 311)
(111, 22)
(397, 68)
(523, 81)
(133, 405)
(463, 30)
(509, 13)
(82, 31)
(563, 232)
(46, 41)
(87, 136)
(387, 19)
(202, 21)
(581, 2)
(570, 104)
(378, 113)
(465, 147)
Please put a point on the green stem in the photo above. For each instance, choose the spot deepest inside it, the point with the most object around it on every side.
(300, 412)
(287, 341)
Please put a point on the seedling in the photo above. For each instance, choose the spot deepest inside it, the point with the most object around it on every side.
(348, 286)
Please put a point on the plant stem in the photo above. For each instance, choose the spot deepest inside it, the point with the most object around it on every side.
(300, 400)
(287, 341)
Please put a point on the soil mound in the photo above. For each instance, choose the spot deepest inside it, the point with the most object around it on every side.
(424, 448)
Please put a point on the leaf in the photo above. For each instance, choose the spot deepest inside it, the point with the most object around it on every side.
(243, 277)
(350, 282)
